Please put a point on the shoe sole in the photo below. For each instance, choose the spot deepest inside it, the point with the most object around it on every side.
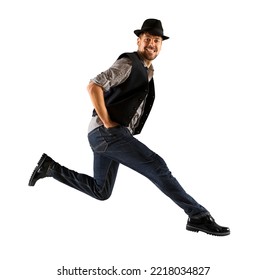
(40, 162)
(195, 229)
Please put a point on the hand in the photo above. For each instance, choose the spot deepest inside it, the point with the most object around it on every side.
(110, 124)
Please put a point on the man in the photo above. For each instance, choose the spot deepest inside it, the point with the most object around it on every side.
(122, 97)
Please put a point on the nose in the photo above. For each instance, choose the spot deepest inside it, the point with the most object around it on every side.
(151, 43)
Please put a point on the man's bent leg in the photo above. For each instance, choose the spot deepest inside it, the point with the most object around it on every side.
(100, 187)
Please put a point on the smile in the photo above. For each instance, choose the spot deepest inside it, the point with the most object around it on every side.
(150, 50)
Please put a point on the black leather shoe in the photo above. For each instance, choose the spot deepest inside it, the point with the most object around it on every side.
(41, 169)
(207, 224)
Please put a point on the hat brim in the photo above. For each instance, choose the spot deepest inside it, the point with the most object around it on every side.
(139, 31)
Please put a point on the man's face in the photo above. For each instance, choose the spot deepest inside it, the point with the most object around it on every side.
(149, 46)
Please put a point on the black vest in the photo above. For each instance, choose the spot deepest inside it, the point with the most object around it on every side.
(123, 100)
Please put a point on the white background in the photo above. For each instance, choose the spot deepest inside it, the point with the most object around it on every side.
(208, 123)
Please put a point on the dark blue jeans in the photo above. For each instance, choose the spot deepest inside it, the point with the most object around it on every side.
(114, 146)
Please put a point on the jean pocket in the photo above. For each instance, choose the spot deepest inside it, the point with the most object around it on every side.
(97, 141)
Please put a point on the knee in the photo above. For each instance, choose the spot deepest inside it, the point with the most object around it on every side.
(103, 196)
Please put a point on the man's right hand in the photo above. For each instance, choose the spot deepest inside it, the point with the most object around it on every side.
(110, 124)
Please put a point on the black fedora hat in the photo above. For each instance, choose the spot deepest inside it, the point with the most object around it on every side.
(152, 26)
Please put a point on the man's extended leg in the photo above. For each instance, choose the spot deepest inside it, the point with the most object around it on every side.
(121, 146)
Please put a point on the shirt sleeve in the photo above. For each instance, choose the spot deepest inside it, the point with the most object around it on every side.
(115, 75)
